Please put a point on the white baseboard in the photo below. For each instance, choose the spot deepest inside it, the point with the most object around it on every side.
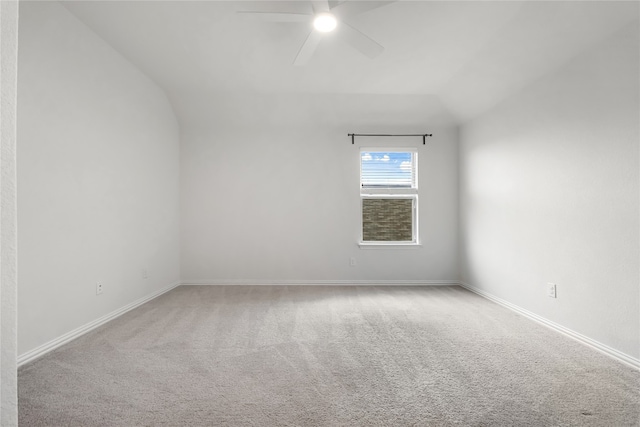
(57, 342)
(605, 349)
(322, 282)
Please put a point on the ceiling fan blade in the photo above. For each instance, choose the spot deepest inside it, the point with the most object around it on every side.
(320, 6)
(306, 51)
(275, 16)
(351, 8)
(359, 41)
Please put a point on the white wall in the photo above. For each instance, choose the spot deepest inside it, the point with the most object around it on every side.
(98, 148)
(270, 189)
(8, 224)
(549, 193)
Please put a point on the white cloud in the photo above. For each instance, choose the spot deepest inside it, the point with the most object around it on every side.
(366, 157)
(385, 158)
(405, 166)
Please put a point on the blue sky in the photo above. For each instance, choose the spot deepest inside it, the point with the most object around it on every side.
(383, 168)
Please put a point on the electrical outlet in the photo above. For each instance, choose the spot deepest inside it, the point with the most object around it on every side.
(99, 288)
(352, 262)
(145, 273)
(551, 290)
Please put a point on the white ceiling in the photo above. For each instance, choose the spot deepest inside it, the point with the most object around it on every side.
(468, 55)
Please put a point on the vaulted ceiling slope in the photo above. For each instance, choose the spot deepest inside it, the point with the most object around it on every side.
(465, 55)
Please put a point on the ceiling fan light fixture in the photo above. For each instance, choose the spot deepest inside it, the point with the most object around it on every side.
(325, 22)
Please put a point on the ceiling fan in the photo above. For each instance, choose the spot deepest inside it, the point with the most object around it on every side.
(326, 19)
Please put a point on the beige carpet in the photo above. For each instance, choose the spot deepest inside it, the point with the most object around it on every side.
(326, 356)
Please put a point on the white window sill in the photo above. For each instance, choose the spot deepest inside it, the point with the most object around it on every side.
(391, 245)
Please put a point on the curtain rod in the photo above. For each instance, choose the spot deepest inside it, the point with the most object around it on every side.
(423, 135)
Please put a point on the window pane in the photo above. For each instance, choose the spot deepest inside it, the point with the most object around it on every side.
(387, 220)
(386, 169)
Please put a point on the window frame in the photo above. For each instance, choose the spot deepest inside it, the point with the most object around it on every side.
(391, 193)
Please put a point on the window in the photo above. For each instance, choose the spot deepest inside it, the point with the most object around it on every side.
(389, 196)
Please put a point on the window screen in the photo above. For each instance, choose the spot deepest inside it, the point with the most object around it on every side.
(387, 220)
